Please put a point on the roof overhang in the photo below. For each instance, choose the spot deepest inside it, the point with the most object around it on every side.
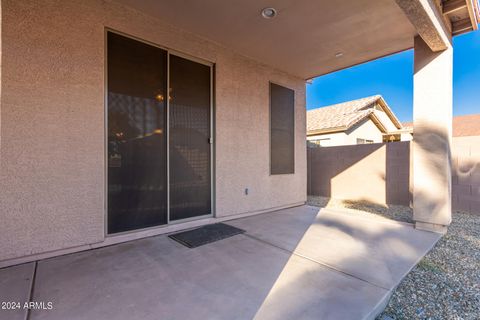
(309, 38)
(306, 39)
(460, 15)
(438, 20)
(383, 104)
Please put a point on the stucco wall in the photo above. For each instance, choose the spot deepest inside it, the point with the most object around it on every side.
(386, 121)
(52, 123)
(366, 129)
(330, 139)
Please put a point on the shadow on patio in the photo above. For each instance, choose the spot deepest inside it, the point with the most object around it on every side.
(298, 263)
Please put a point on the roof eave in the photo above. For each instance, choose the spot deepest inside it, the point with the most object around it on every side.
(390, 113)
(378, 123)
(328, 130)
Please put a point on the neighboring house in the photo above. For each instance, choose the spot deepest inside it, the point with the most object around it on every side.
(366, 120)
(124, 119)
(390, 169)
(462, 126)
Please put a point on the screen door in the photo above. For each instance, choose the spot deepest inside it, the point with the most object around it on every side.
(189, 139)
(137, 143)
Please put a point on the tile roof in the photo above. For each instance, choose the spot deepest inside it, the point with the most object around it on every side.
(468, 125)
(407, 125)
(342, 115)
(463, 126)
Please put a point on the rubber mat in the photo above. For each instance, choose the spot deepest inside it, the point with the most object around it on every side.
(206, 234)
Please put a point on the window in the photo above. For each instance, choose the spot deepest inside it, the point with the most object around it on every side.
(392, 137)
(363, 141)
(319, 142)
(282, 135)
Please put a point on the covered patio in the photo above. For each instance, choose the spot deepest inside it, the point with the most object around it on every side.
(125, 119)
(297, 263)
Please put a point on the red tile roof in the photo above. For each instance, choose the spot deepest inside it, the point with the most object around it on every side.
(468, 125)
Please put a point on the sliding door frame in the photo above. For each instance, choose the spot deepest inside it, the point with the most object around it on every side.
(211, 141)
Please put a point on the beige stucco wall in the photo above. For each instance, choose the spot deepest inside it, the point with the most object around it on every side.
(385, 120)
(52, 123)
(432, 118)
(330, 139)
(364, 130)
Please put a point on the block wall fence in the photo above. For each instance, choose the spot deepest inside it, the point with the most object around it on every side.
(382, 173)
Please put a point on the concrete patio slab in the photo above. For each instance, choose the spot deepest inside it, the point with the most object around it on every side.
(298, 263)
(15, 284)
(377, 250)
(284, 228)
(307, 290)
(381, 252)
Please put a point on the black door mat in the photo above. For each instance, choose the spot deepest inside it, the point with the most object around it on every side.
(206, 234)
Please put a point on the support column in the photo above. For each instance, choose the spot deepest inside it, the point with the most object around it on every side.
(432, 116)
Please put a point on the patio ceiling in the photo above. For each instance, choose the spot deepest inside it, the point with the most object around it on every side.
(307, 38)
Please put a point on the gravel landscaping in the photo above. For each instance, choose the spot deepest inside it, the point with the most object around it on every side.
(446, 283)
(399, 213)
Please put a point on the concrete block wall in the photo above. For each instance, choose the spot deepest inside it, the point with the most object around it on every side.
(466, 174)
(399, 182)
(382, 173)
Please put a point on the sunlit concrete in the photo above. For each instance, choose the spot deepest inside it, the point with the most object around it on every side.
(298, 263)
(375, 250)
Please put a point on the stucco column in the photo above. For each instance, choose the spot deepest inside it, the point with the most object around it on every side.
(432, 116)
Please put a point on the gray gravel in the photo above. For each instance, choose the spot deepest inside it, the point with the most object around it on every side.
(399, 213)
(446, 283)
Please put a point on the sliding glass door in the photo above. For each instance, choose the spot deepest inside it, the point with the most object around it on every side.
(159, 156)
(137, 166)
(190, 184)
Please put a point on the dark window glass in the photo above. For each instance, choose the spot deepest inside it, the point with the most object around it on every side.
(282, 135)
(137, 179)
(189, 139)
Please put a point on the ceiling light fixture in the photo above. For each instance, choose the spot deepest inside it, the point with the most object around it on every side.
(269, 13)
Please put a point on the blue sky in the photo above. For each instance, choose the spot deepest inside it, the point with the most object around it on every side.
(392, 77)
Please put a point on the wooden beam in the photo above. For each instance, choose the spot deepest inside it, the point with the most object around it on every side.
(472, 7)
(461, 26)
(453, 5)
